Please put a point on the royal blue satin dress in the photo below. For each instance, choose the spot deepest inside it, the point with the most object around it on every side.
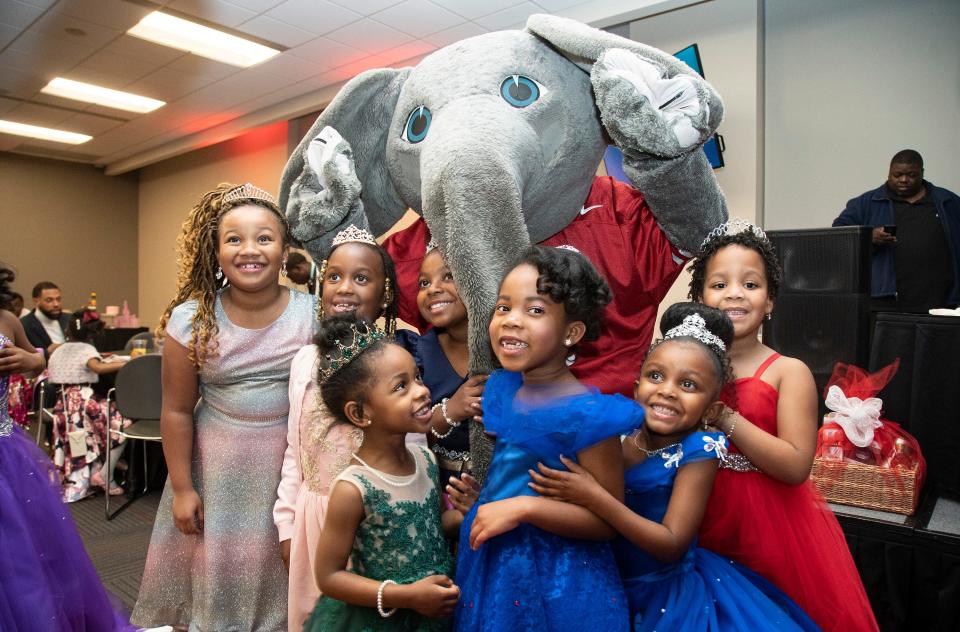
(703, 591)
(527, 578)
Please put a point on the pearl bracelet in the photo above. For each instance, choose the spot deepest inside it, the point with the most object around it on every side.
(384, 614)
(451, 423)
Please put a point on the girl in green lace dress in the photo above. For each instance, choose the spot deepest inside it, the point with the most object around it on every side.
(384, 516)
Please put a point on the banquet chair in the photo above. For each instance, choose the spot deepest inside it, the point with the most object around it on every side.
(137, 394)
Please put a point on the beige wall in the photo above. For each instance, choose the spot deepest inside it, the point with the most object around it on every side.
(70, 224)
(727, 34)
(169, 189)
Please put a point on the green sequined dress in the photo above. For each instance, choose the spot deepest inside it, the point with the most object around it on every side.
(399, 538)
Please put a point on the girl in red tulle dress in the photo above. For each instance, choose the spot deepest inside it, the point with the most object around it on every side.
(764, 512)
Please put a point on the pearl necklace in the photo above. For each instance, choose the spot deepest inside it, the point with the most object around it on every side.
(383, 476)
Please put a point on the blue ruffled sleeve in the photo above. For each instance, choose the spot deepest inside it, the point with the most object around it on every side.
(700, 446)
(410, 340)
(606, 416)
(180, 325)
(498, 393)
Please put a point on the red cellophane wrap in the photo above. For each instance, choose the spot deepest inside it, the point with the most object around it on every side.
(891, 447)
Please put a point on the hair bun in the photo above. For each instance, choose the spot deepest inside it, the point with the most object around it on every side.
(716, 321)
(338, 327)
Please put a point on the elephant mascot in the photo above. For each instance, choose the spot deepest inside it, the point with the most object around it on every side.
(495, 141)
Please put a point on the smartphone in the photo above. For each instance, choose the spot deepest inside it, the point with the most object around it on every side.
(890, 229)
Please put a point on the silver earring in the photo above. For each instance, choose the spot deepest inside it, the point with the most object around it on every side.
(768, 316)
(567, 342)
(219, 273)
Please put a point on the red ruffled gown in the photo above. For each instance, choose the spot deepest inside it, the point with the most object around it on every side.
(786, 533)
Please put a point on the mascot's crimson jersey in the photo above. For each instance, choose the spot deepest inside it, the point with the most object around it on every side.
(618, 233)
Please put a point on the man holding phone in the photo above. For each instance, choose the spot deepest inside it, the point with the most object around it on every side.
(916, 238)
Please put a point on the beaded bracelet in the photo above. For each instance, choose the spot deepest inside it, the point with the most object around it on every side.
(451, 423)
(733, 425)
(383, 614)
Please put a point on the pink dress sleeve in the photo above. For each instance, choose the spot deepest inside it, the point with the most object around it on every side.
(291, 476)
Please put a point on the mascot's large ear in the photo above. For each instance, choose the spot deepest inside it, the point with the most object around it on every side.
(321, 184)
(659, 112)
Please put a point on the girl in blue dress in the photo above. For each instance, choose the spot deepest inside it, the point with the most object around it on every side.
(527, 562)
(671, 583)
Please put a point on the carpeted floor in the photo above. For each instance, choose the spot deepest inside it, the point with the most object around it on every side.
(118, 548)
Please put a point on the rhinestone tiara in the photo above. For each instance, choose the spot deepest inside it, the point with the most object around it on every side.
(361, 340)
(248, 191)
(353, 234)
(693, 326)
(733, 227)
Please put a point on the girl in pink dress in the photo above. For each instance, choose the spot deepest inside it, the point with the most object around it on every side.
(763, 512)
(358, 276)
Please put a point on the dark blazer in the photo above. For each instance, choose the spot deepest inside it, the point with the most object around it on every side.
(37, 335)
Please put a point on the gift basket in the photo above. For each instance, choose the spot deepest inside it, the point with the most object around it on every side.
(861, 459)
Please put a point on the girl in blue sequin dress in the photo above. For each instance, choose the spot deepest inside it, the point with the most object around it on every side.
(673, 584)
(527, 562)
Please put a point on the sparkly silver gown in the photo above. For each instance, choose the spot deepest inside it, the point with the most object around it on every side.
(230, 578)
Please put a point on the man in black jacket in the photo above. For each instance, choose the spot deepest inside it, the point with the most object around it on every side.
(46, 325)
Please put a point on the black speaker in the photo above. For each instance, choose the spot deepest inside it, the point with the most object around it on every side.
(821, 314)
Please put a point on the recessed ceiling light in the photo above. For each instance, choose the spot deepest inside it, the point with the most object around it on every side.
(90, 93)
(43, 133)
(174, 32)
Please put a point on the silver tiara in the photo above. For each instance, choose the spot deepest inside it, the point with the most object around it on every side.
(569, 247)
(248, 191)
(733, 227)
(693, 326)
(353, 234)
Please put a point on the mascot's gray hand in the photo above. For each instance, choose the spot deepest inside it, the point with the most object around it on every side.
(646, 113)
(327, 193)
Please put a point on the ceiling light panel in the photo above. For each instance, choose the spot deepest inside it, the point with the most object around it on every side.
(79, 91)
(175, 32)
(43, 133)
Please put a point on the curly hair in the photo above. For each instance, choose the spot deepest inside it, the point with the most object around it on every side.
(716, 323)
(568, 278)
(84, 326)
(747, 239)
(390, 281)
(197, 259)
(350, 381)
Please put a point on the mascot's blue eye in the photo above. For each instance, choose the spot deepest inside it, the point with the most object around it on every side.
(417, 124)
(519, 91)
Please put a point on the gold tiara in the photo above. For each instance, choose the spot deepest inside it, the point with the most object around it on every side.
(248, 191)
(353, 234)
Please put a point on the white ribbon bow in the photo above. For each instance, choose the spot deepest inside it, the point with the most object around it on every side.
(672, 460)
(718, 445)
(858, 417)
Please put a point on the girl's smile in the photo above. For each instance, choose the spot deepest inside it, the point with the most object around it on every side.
(353, 281)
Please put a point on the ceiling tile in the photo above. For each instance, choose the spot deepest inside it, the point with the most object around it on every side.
(167, 84)
(509, 17)
(552, 6)
(416, 48)
(369, 36)
(111, 70)
(7, 104)
(55, 24)
(8, 34)
(45, 66)
(105, 112)
(115, 15)
(326, 53)
(18, 14)
(366, 7)
(286, 66)
(418, 17)
(476, 8)
(9, 142)
(256, 5)
(215, 11)
(19, 84)
(276, 31)
(43, 4)
(278, 96)
(457, 33)
(202, 67)
(303, 14)
(40, 46)
(36, 114)
(136, 48)
(90, 124)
